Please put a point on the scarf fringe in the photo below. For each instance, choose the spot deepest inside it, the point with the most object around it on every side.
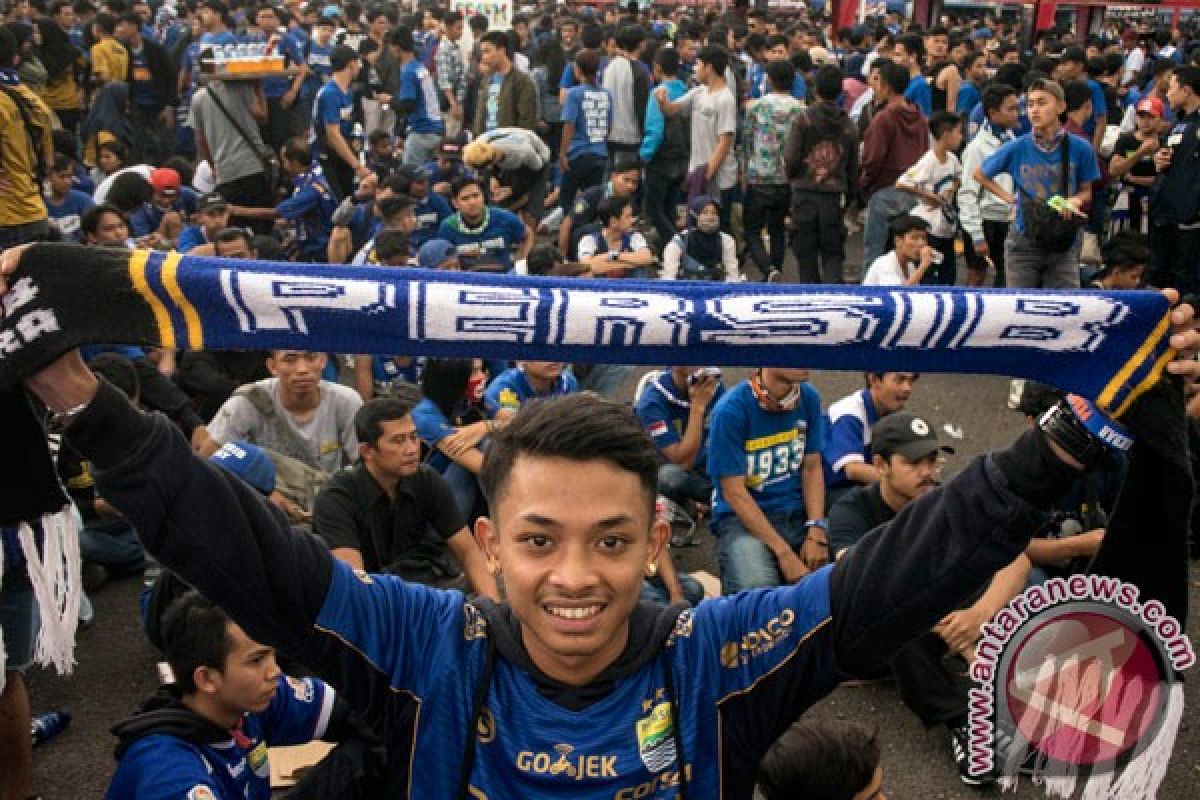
(56, 577)
(1140, 779)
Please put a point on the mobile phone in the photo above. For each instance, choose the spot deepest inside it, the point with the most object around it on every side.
(702, 373)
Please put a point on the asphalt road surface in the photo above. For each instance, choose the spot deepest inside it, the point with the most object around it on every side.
(116, 665)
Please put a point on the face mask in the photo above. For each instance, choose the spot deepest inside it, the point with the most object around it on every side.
(708, 225)
(475, 386)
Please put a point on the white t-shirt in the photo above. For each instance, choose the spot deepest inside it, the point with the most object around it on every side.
(101, 193)
(588, 245)
(885, 271)
(713, 115)
(933, 176)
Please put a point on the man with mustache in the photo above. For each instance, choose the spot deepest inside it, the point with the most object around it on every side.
(906, 453)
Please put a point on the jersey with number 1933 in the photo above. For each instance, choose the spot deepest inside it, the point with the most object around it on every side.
(767, 448)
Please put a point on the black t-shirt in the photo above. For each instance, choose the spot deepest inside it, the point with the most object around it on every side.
(1127, 144)
(392, 536)
(854, 515)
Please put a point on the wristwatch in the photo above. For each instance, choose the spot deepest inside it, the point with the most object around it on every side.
(822, 523)
(1085, 432)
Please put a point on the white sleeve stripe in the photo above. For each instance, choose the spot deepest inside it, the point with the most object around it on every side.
(849, 458)
(326, 712)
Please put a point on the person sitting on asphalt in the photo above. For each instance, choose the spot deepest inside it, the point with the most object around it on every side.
(509, 390)
(616, 250)
(847, 453)
(764, 454)
(906, 455)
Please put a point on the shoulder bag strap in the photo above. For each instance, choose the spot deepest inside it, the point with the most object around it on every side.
(33, 133)
(267, 164)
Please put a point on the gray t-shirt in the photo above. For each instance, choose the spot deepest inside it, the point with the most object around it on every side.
(713, 113)
(329, 432)
(618, 79)
(232, 157)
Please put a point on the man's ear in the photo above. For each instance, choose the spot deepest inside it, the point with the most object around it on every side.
(660, 533)
(207, 680)
(488, 539)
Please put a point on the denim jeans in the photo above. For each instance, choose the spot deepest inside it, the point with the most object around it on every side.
(419, 148)
(655, 591)
(681, 485)
(766, 206)
(113, 545)
(1027, 267)
(883, 205)
(583, 172)
(465, 488)
(747, 563)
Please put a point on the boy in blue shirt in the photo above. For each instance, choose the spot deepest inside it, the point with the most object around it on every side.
(205, 737)
(431, 209)
(484, 235)
(509, 390)
(674, 408)
(909, 52)
(587, 120)
(1034, 161)
(848, 424)
(310, 208)
(418, 102)
(65, 205)
(764, 455)
(333, 125)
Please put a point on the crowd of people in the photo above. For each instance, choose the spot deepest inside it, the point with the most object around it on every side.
(611, 142)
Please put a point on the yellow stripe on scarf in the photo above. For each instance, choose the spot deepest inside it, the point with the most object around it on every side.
(170, 279)
(1107, 396)
(162, 318)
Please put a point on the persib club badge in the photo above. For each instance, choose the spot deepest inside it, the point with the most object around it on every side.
(655, 743)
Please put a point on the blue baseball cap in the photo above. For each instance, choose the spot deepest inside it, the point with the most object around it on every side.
(249, 462)
(434, 252)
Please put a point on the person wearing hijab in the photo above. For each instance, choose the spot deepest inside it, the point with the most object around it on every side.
(29, 67)
(703, 251)
(108, 120)
(62, 61)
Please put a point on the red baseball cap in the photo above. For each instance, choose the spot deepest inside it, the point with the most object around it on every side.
(165, 180)
(1151, 105)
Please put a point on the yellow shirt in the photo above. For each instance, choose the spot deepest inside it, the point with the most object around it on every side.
(20, 195)
(63, 94)
(110, 60)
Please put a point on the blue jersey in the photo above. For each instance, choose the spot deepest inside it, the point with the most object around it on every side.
(968, 96)
(509, 390)
(848, 425)
(333, 107)
(491, 243)
(310, 210)
(1099, 107)
(590, 109)
(161, 766)
(919, 94)
(567, 81)
(66, 214)
(664, 410)
(431, 210)
(417, 85)
(760, 84)
(141, 82)
(766, 448)
(148, 217)
(277, 86)
(1036, 173)
(190, 238)
(433, 426)
(386, 372)
(320, 69)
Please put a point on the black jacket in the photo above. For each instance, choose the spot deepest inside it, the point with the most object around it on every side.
(162, 71)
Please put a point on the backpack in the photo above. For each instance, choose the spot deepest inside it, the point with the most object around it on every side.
(677, 138)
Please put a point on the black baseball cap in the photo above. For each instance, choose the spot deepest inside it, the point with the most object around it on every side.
(907, 434)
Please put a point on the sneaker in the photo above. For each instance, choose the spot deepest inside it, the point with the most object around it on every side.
(1016, 388)
(960, 748)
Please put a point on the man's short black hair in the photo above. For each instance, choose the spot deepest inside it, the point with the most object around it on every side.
(906, 223)
(297, 149)
(781, 74)
(576, 427)
(478, 23)
(894, 76)
(402, 38)
(89, 223)
(499, 39)
(195, 633)
(942, 121)
(994, 95)
(542, 259)
(820, 759)
(231, 234)
(369, 419)
(1125, 250)
(1189, 77)
(341, 57)
(715, 56)
(588, 63)
(913, 44)
(464, 181)
(452, 17)
(592, 36)
(828, 83)
(610, 208)
(630, 37)
(1074, 55)
(1077, 94)
(667, 59)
